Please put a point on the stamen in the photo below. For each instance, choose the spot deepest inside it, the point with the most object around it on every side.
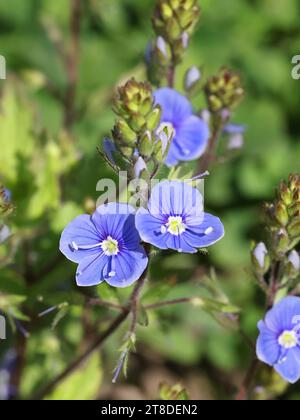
(78, 247)
(288, 339)
(110, 246)
(175, 225)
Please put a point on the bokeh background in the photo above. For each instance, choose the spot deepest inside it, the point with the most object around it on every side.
(52, 172)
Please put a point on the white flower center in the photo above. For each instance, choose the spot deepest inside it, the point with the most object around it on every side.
(175, 225)
(110, 246)
(288, 339)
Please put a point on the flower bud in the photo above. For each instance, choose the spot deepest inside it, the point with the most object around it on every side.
(124, 134)
(139, 167)
(260, 258)
(6, 206)
(4, 233)
(154, 118)
(146, 145)
(192, 79)
(133, 104)
(281, 214)
(294, 260)
(224, 91)
(172, 18)
(165, 134)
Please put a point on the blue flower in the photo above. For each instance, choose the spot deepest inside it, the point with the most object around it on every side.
(6, 195)
(106, 246)
(191, 132)
(278, 344)
(175, 219)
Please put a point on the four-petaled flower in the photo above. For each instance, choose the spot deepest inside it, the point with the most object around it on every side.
(106, 246)
(278, 344)
(191, 132)
(175, 219)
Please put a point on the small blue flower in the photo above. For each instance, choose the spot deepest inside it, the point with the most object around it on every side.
(106, 246)
(109, 149)
(6, 195)
(191, 132)
(175, 219)
(234, 129)
(278, 344)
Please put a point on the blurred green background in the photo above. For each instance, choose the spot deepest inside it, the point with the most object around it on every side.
(182, 344)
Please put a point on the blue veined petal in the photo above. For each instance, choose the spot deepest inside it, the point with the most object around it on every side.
(81, 231)
(267, 347)
(149, 228)
(282, 315)
(289, 367)
(111, 218)
(90, 270)
(175, 198)
(175, 107)
(191, 139)
(210, 231)
(179, 243)
(127, 269)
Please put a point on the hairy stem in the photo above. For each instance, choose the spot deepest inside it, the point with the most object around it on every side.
(129, 308)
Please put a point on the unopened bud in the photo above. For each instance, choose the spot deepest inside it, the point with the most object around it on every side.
(154, 118)
(146, 145)
(192, 79)
(260, 258)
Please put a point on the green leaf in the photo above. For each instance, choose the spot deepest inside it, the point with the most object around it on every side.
(83, 384)
(16, 124)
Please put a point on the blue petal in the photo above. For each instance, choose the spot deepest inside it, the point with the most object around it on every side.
(203, 233)
(90, 270)
(267, 347)
(175, 198)
(190, 141)
(284, 314)
(289, 369)
(149, 227)
(111, 218)
(109, 149)
(82, 231)
(179, 243)
(175, 107)
(128, 268)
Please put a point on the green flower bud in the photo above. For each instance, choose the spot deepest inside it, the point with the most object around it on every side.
(283, 243)
(122, 133)
(174, 17)
(154, 118)
(146, 145)
(128, 152)
(224, 91)
(133, 103)
(281, 214)
(165, 134)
